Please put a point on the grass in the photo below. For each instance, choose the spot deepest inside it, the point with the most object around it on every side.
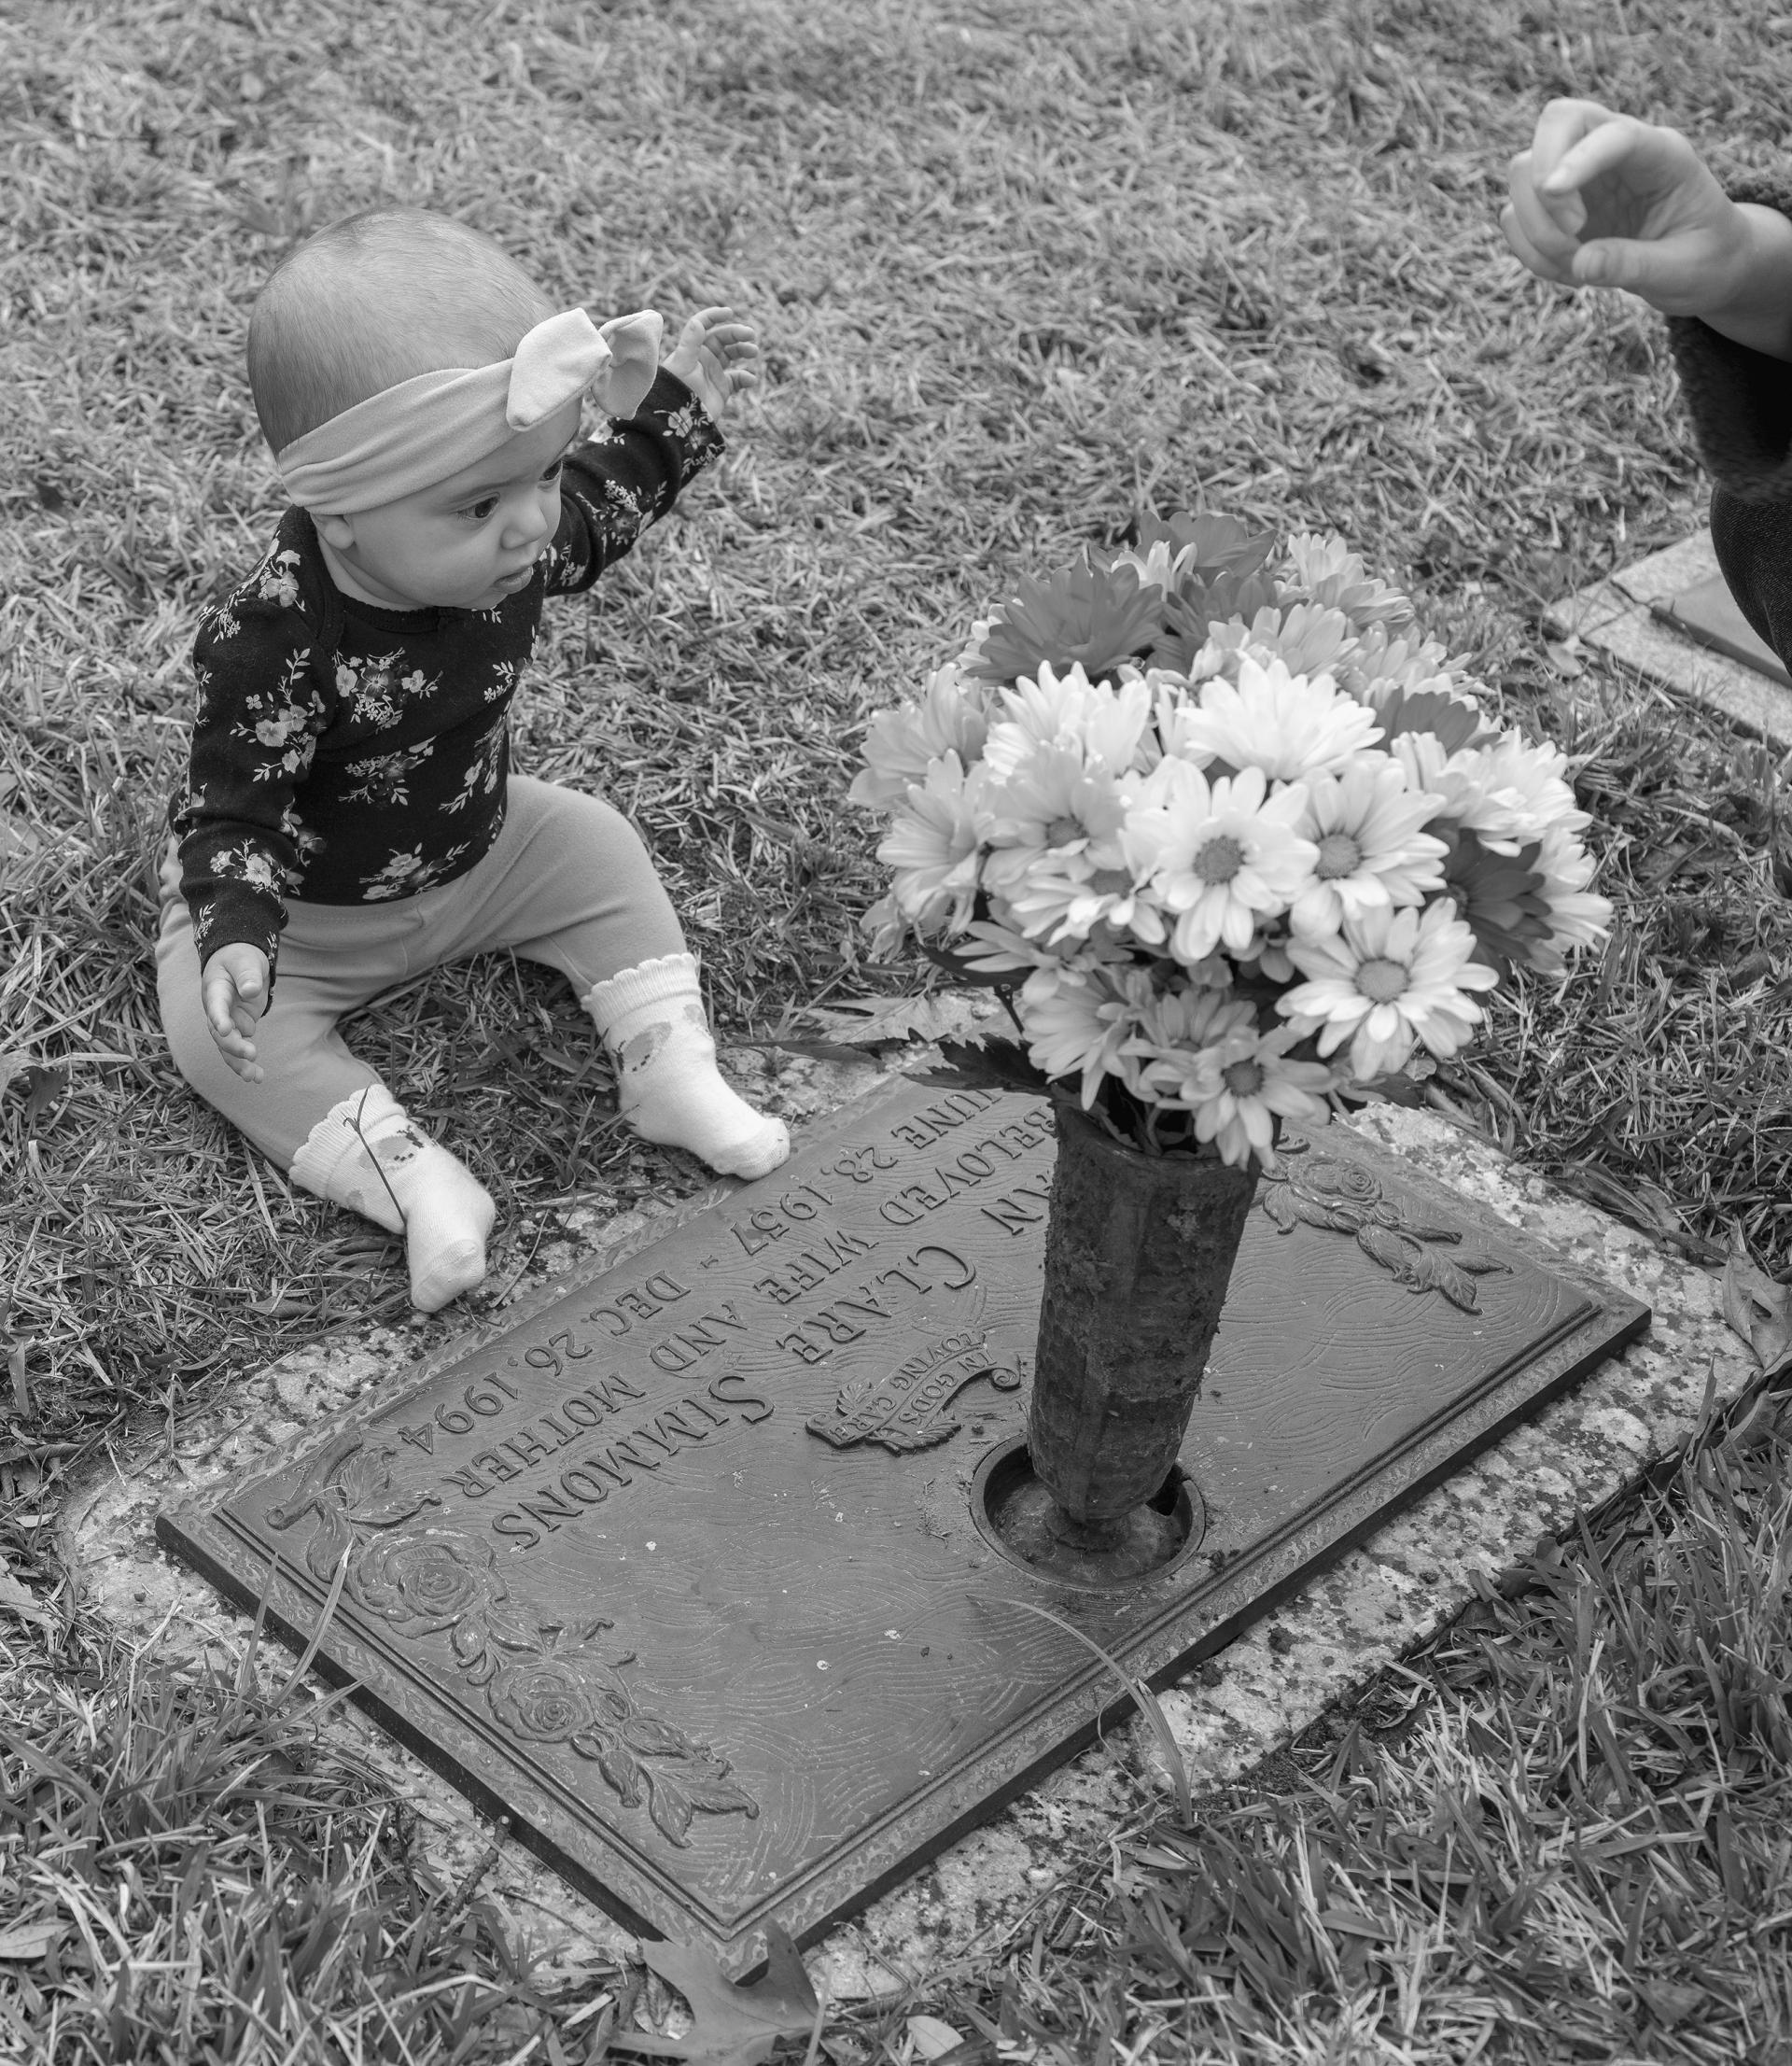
(1020, 270)
(1557, 1833)
(213, 1882)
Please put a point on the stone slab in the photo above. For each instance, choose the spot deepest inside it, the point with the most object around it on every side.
(1629, 619)
(986, 1893)
(684, 1569)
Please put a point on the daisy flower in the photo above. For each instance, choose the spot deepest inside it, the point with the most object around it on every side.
(1380, 664)
(1508, 792)
(1220, 856)
(1365, 824)
(1050, 807)
(1307, 637)
(901, 745)
(1197, 1051)
(1175, 1025)
(1334, 577)
(1290, 725)
(1105, 726)
(1390, 980)
(1238, 1090)
(1577, 915)
(1068, 899)
(933, 844)
(1079, 1020)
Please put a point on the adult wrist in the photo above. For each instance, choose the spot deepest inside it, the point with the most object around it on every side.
(1756, 313)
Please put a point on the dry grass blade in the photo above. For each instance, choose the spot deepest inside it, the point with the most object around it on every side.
(1137, 1691)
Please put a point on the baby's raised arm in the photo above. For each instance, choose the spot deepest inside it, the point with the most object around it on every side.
(1602, 199)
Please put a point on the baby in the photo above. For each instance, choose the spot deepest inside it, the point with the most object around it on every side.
(349, 803)
(1602, 200)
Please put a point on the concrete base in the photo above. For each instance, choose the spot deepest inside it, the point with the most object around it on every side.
(1375, 1604)
(1615, 617)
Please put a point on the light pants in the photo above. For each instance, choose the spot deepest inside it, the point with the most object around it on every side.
(567, 882)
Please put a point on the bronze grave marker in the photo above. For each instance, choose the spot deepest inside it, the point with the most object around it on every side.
(689, 1568)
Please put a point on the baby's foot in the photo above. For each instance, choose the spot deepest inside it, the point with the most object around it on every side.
(668, 1085)
(671, 1090)
(367, 1155)
(448, 1215)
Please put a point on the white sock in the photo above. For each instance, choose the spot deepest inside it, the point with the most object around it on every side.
(365, 1153)
(668, 1085)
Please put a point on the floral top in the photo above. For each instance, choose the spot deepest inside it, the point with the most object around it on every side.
(349, 754)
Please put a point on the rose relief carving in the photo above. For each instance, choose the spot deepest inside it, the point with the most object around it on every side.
(543, 1683)
(1329, 1191)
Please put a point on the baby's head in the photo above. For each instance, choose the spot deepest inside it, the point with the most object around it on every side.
(375, 301)
(385, 367)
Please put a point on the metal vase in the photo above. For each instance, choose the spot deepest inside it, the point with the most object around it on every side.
(1139, 1252)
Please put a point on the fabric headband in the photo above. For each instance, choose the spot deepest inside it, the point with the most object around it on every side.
(409, 437)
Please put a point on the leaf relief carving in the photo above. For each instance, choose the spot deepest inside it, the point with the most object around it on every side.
(426, 1581)
(1330, 1191)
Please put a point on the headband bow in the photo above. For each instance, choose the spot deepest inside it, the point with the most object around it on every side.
(409, 437)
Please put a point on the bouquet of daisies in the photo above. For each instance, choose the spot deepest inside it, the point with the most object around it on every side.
(1228, 831)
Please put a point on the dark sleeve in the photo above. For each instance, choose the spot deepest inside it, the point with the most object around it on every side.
(258, 719)
(629, 476)
(1741, 405)
(1740, 401)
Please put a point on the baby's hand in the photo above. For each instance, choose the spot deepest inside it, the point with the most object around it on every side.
(233, 989)
(713, 357)
(1602, 199)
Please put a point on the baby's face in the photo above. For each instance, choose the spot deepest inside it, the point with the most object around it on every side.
(465, 544)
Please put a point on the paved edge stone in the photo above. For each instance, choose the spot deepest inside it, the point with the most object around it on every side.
(1376, 1603)
(1613, 617)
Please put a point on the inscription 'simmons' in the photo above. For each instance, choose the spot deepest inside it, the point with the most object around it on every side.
(908, 1409)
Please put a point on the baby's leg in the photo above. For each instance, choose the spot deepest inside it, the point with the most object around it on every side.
(319, 1112)
(580, 892)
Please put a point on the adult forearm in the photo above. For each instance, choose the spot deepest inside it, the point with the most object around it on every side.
(1758, 312)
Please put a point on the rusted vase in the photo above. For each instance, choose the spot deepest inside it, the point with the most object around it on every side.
(1139, 1252)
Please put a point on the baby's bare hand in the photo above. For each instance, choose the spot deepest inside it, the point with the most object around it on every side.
(714, 356)
(233, 991)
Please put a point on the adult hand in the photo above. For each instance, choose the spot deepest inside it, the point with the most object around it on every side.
(233, 990)
(713, 357)
(1604, 200)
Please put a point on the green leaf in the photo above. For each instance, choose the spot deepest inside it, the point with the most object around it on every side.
(885, 1022)
(30, 1940)
(730, 2025)
(991, 1064)
(1760, 1311)
(43, 1092)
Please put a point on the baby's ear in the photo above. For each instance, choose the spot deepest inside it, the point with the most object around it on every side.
(338, 532)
